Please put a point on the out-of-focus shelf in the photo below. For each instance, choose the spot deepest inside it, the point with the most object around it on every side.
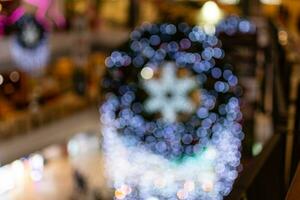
(56, 132)
(22, 122)
(60, 43)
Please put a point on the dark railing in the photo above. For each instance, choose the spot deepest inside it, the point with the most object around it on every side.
(264, 177)
(296, 142)
(269, 182)
(294, 190)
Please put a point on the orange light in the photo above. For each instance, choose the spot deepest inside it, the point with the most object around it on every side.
(208, 186)
(119, 194)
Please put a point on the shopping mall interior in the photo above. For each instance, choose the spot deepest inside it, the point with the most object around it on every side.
(149, 99)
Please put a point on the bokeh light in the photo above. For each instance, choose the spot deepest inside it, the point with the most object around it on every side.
(158, 158)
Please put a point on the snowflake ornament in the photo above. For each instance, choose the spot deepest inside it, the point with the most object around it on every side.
(169, 94)
(160, 140)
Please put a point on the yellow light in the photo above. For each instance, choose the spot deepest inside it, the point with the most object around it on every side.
(80, 6)
(271, 2)
(147, 73)
(211, 13)
(119, 194)
(283, 37)
(209, 28)
(229, 2)
(123, 191)
(0, 7)
(209, 16)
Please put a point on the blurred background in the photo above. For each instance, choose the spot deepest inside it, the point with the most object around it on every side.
(52, 60)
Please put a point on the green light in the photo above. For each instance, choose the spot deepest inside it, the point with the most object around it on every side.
(257, 148)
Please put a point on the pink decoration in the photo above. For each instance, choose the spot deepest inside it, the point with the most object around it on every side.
(11, 19)
(47, 7)
(16, 15)
(44, 8)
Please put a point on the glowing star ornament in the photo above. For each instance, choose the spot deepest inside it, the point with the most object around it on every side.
(159, 140)
(169, 94)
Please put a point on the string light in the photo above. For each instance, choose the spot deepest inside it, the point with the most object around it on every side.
(192, 154)
(147, 73)
(234, 24)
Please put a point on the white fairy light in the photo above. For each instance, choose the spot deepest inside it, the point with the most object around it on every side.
(189, 186)
(233, 25)
(145, 162)
(147, 73)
